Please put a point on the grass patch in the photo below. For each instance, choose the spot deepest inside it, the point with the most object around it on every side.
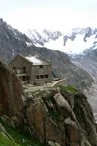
(22, 139)
(5, 141)
(36, 91)
(69, 88)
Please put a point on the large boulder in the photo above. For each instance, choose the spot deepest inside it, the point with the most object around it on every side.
(63, 106)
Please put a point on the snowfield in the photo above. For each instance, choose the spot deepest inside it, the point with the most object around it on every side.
(55, 40)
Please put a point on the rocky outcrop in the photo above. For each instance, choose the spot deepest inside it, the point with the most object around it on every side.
(57, 116)
(10, 94)
(62, 116)
(10, 40)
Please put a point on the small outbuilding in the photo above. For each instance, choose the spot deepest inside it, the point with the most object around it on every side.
(32, 69)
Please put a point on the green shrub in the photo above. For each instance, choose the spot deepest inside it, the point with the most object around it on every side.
(69, 88)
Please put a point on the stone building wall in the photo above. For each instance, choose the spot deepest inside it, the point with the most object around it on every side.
(41, 74)
(36, 74)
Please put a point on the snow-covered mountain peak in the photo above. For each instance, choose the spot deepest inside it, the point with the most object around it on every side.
(39, 38)
(73, 42)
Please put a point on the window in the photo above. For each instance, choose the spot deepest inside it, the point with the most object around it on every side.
(37, 77)
(40, 66)
(34, 83)
(14, 68)
(41, 76)
(23, 69)
(24, 78)
(46, 76)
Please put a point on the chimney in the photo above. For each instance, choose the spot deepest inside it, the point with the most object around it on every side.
(29, 54)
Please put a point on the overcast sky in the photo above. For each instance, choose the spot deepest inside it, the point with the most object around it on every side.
(50, 14)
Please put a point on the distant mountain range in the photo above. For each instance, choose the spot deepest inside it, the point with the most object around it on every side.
(13, 42)
(74, 42)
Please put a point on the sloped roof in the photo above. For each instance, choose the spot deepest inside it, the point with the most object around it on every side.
(37, 60)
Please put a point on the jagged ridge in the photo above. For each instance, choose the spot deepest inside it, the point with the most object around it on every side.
(66, 42)
(13, 42)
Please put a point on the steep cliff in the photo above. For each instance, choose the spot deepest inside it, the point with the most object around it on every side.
(56, 116)
(61, 115)
(10, 93)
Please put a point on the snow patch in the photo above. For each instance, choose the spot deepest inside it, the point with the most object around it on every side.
(34, 60)
(28, 44)
(72, 47)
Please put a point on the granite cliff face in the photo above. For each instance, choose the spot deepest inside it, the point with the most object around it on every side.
(10, 93)
(55, 116)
